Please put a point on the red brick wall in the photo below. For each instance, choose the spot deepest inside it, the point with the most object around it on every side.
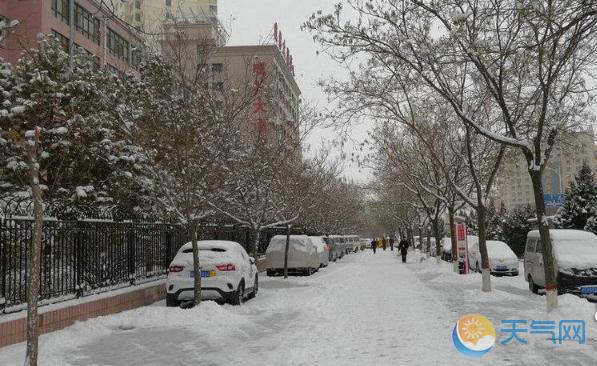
(15, 331)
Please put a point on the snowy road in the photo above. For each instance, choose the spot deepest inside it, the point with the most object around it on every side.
(363, 310)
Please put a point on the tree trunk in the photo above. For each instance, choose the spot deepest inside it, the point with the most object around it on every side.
(196, 268)
(421, 239)
(286, 249)
(551, 287)
(428, 243)
(485, 275)
(453, 240)
(411, 236)
(33, 265)
(438, 241)
(256, 243)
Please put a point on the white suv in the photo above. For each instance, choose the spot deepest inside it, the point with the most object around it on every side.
(228, 274)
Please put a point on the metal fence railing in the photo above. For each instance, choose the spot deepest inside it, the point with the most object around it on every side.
(80, 258)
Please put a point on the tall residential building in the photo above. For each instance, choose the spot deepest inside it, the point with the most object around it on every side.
(150, 15)
(263, 72)
(514, 183)
(85, 24)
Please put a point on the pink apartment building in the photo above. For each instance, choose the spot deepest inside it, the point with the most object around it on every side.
(75, 23)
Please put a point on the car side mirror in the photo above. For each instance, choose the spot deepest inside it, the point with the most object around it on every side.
(252, 260)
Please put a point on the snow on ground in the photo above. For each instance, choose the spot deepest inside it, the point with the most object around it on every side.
(365, 309)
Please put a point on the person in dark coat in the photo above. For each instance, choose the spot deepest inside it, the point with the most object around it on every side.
(392, 243)
(383, 243)
(403, 248)
(374, 245)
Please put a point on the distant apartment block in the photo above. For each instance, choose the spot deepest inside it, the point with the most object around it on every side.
(85, 24)
(514, 184)
(268, 68)
(149, 16)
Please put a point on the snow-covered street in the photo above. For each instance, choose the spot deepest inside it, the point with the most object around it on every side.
(364, 310)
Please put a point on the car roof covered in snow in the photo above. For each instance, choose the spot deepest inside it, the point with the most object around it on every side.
(214, 244)
(318, 241)
(572, 248)
(565, 234)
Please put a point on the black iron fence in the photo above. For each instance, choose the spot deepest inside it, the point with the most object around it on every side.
(81, 258)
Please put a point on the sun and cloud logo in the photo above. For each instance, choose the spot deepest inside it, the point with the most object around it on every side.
(474, 335)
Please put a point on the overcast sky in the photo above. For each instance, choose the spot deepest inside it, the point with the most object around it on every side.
(251, 22)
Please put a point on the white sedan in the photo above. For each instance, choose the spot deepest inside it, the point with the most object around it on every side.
(228, 274)
(502, 260)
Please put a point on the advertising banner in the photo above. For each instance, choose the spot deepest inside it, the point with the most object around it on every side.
(462, 249)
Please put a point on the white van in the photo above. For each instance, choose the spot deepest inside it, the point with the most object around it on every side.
(302, 255)
(575, 262)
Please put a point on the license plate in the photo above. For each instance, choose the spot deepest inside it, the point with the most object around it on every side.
(588, 290)
(204, 274)
(501, 268)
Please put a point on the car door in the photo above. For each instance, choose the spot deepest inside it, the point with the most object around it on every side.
(247, 269)
(529, 257)
(538, 271)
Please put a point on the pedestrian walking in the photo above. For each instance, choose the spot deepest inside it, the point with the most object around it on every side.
(383, 243)
(403, 248)
(374, 245)
(392, 244)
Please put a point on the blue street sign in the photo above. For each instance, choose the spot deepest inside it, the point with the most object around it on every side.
(554, 200)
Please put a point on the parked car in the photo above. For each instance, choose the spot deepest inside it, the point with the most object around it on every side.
(354, 243)
(322, 250)
(333, 251)
(502, 260)
(575, 262)
(447, 249)
(339, 245)
(472, 242)
(365, 243)
(302, 255)
(228, 273)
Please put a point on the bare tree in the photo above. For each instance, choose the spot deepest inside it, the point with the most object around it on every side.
(529, 59)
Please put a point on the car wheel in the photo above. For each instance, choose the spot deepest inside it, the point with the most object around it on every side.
(255, 288)
(532, 287)
(171, 301)
(238, 295)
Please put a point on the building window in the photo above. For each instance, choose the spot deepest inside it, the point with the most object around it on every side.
(168, 2)
(204, 70)
(61, 10)
(137, 4)
(137, 17)
(135, 57)
(118, 46)
(87, 24)
(213, 9)
(64, 41)
(217, 68)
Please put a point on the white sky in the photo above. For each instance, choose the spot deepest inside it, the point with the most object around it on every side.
(252, 21)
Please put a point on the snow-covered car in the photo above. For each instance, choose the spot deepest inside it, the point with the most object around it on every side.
(354, 243)
(322, 250)
(472, 243)
(302, 255)
(338, 246)
(575, 262)
(447, 249)
(228, 273)
(365, 243)
(502, 260)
